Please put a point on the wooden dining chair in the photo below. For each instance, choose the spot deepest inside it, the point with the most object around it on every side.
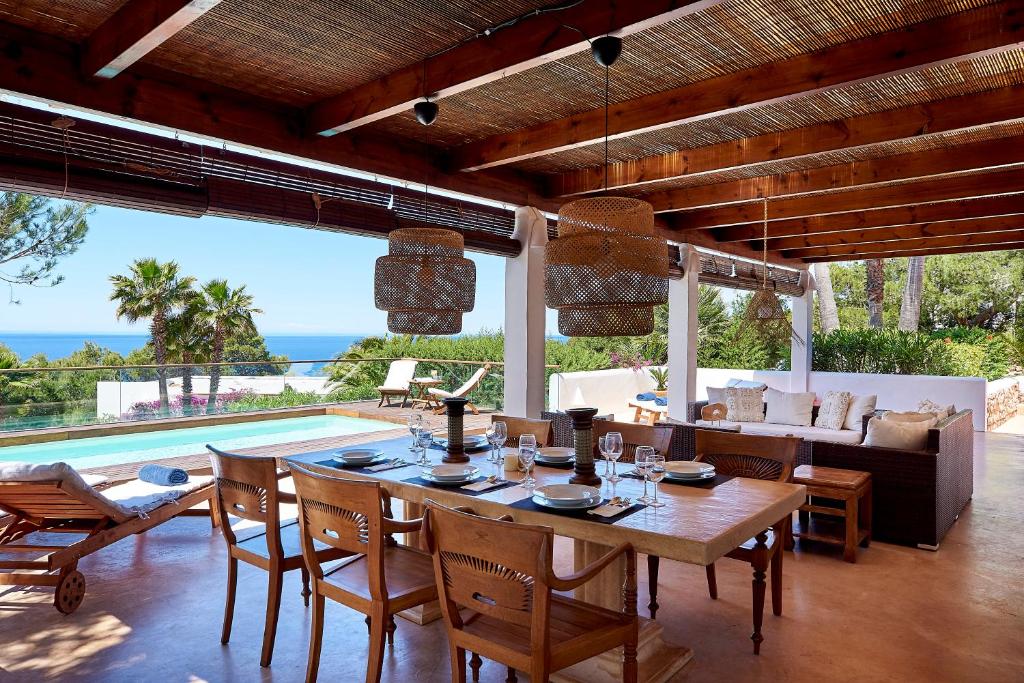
(517, 426)
(246, 487)
(756, 457)
(633, 435)
(380, 579)
(495, 580)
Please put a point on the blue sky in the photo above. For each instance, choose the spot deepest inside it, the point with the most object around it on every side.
(306, 281)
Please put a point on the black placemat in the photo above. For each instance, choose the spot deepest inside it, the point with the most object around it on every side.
(528, 504)
(442, 445)
(458, 488)
(361, 469)
(718, 480)
(555, 465)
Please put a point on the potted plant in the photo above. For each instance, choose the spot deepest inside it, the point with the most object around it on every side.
(660, 377)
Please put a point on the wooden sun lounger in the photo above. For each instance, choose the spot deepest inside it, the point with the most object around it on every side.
(50, 507)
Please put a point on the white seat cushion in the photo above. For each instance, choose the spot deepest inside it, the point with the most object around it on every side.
(809, 433)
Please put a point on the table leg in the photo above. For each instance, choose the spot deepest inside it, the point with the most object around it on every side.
(421, 614)
(865, 513)
(852, 529)
(658, 660)
(759, 562)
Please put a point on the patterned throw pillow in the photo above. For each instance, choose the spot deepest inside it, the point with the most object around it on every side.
(744, 405)
(832, 413)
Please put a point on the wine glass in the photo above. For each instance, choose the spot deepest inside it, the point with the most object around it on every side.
(415, 422)
(527, 452)
(642, 460)
(656, 472)
(497, 434)
(604, 454)
(613, 446)
(424, 439)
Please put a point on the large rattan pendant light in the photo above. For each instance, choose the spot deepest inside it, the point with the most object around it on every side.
(765, 312)
(608, 269)
(425, 282)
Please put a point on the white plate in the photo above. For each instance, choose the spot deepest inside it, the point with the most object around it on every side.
(578, 505)
(448, 482)
(699, 477)
(561, 494)
(453, 472)
(355, 456)
(687, 468)
(556, 454)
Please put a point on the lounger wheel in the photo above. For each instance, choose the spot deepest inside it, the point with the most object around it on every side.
(70, 592)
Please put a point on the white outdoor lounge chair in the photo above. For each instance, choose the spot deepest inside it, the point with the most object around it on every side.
(57, 499)
(397, 382)
(439, 395)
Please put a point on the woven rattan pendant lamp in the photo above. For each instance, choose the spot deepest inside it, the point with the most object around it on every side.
(425, 282)
(765, 312)
(608, 269)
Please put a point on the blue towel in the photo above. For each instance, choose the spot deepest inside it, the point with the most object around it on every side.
(649, 396)
(661, 401)
(162, 475)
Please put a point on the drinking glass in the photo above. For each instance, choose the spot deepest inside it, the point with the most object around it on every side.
(643, 463)
(604, 454)
(415, 422)
(527, 451)
(613, 446)
(424, 439)
(497, 433)
(656, 472)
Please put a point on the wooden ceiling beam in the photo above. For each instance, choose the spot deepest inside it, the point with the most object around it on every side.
(979, 32)
(1006, 180)
(877, 218)
(962, 240)
(38, 65)
(135, 30)
(532, 42)
(936, 251)
(971, 226)
(986, 108)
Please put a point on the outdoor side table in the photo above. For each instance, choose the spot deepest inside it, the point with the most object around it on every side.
(421, 395)
(849, 487)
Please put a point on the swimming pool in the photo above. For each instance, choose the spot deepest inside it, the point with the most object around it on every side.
(121, 448)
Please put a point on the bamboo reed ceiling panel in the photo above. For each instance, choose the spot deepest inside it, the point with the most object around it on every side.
(948, 80)
(730, 37)
(302, 51)
(71, 19)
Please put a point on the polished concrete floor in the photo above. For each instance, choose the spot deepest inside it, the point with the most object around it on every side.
(154, 604)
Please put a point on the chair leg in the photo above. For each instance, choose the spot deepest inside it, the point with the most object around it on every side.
(712, 581)
(229, 601)
(476, 411)
(305, 586)
(375, 660)
(273, 611)
(630, 668)
(474, 665)
(316, 638)
(458, 664)
(776, 569)
(653, 564)
(511, 677)
(391, 628)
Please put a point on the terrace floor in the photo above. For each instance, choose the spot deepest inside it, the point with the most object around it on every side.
(154, 605)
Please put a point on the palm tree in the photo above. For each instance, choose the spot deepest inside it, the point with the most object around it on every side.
(910, 309)
(153, 290)
(228, 312)
(188, 342)
(875, 290)
(827, 311)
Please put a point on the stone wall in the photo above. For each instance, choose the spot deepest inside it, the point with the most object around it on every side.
(1004, 400)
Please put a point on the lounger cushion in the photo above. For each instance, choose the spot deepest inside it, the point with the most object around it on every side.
(70, 481)
(141, 497)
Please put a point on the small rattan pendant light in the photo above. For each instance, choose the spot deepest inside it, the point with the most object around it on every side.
(425, 282)
(608, 269)
(765, 312)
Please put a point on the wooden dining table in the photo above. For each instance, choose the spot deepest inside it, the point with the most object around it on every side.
(696, 526)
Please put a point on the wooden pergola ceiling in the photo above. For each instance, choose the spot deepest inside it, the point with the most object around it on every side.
(877, 128)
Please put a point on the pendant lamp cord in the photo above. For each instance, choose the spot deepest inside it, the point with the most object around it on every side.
(764, 247)
(606, 85)
(426, 166)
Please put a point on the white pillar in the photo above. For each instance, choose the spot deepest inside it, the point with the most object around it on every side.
(803, 325)
(525, 317)
(682, 335)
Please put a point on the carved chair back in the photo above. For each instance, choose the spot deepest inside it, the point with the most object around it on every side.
(748, 455)
(247, 488)
(517, 426)
(633, 435)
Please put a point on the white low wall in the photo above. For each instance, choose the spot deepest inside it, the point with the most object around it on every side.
(610, 390)
(114, 399)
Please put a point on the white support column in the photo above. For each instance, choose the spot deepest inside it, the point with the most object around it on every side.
(682, 335)
(524, 317)
(803, 325)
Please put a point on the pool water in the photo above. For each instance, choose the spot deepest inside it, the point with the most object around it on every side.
(121, 448)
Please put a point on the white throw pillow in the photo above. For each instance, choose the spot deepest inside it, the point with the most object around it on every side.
(744, 405)
(893, 416)
(859, 407)
(941, 412)
(716, 394)
(785, 408)
(832, 413)
(907, 436)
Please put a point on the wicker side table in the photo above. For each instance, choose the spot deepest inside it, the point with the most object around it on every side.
(849, 487)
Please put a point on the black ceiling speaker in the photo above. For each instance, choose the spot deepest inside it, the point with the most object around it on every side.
(426, 112)
(606, 50)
